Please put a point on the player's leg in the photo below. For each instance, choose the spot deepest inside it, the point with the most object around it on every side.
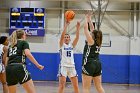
(29, 86)
(11, 78)
(25, 79)
(98, 84)
(86, 81)
(73, 77)
(74, 81)
(62, 79)
(3, 81)
(62, 83)
(97, 78)
(87, 76)
(12, 88)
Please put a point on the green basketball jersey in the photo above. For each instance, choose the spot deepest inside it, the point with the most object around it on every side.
(16, 54)
(91, 53)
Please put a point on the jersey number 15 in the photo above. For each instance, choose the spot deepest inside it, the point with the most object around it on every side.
(68, 53)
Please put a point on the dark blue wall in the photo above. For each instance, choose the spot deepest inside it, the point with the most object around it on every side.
(134, 70)
(115, 68)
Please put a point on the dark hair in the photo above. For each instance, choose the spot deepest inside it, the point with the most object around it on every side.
(3, 39)
(68, 35)
(97, 37)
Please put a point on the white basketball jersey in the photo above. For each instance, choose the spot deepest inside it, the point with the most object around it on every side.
(2, 69)
(66, 54)
(1, 52)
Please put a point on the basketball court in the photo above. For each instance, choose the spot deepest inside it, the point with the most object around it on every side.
(52, 87)
(43, 21)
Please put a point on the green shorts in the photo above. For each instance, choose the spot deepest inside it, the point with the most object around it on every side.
(17, 73)
(92, 68)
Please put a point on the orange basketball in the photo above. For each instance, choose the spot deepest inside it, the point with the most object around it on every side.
(69, 15)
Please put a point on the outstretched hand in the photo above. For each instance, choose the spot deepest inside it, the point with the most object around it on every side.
(88, 16)
(40, 67)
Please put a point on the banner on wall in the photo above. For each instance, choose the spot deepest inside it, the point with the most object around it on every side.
(31, 32)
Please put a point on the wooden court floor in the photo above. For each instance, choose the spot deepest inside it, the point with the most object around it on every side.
(52, 87)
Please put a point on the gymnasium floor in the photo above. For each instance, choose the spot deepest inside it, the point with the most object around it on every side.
(52, 87)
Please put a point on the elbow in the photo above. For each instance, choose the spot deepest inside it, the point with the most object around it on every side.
(90, 42)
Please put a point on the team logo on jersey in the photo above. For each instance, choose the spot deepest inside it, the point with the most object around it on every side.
(68, 48)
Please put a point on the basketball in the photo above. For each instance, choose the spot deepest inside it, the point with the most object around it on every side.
(69, 15)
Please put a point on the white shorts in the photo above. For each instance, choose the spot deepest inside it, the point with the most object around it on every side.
(67, 71)
(2, 68)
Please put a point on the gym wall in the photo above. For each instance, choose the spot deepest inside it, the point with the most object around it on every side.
(120, 61)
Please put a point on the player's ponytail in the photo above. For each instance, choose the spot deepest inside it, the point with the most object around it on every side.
(13, 39)
(98, 37)
(15, 36)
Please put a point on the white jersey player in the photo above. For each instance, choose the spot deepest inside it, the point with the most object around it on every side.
(66, 53)
(2, 69)
(3, 54)
(67, 65)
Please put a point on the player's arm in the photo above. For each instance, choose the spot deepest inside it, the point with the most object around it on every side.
(5, 50)
(91, 26)
(30, 56)
(63, 34)
(87, 33)
(6, 61)
(32, 59)
(77, 34)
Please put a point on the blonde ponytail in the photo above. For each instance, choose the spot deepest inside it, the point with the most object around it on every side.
(17, 34)
(13, 39)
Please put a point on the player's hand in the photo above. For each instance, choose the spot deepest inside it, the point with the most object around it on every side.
(40, 67)
(88, 16)
(67, 22)
(78, 25)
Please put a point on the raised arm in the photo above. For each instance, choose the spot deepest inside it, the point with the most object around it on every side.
(87, 33)
(63, 34)
(91, 26)
(77, 34)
